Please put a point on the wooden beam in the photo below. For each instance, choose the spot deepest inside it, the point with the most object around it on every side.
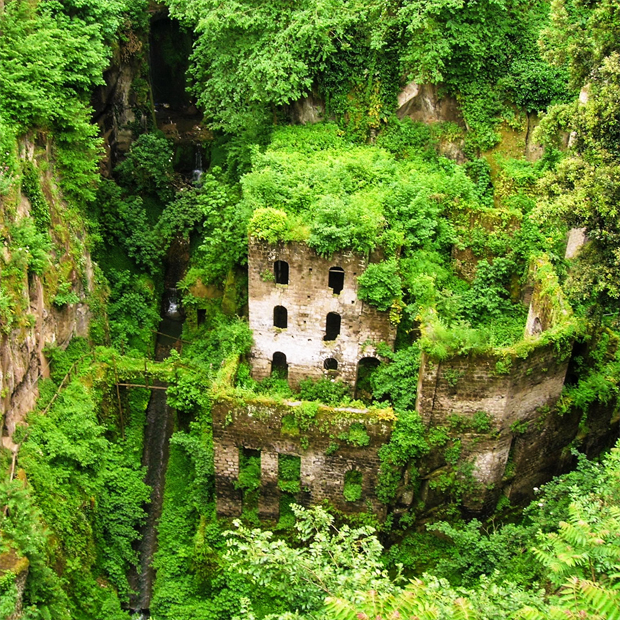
(140, 385)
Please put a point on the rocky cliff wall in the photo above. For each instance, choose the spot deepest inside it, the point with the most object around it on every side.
(47, 308)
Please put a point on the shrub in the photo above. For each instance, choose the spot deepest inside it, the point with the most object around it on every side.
(269, 224)
(380, 284)
(323, 390)
(352, 489)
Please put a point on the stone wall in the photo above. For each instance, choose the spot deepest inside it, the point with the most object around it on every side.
(325, 456)
(39, 322)
(514, 397)
(308, 300)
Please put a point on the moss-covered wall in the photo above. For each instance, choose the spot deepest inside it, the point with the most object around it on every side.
(330, 443)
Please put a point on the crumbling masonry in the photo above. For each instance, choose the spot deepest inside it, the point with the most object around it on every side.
(305, 314)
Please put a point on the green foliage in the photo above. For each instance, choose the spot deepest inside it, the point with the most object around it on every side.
(220, 338)
(414, 601)
(324, 390)
(482, 422)
(9, 167)
(323, 559)
(380, 284)
(8, 594)
(406, 138)
(488, 298)
(89, 495)
(352, 489)
(289, 473)
(356, 435)
(355, 54)
(397, 380)
(31, 187)
(51, 56)
(596, 372)
(305, 414)
(477, 551)
(533, 84)
(582, 190)
(407, 443)
(65, 295)
(249, 470)
(148, 166)
(132, 310)
(340, 224)
(125, 220)
(30, 248)
(283, 48)
(187, 542)
(222, 223)
(270, 225)
(24, 530)
(186, 393)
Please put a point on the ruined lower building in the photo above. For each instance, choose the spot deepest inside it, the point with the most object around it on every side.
(306, 316)
(301, 452)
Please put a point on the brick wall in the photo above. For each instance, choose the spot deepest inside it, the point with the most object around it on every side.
(257, 425)
(308, 300)
(466, 384)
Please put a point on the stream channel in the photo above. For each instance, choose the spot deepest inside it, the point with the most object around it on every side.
(157, 432)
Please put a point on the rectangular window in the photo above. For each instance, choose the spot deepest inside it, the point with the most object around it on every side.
(249, 477)
(289, 473)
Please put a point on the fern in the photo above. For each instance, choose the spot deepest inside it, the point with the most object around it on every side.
(582, 595)
(415, 601)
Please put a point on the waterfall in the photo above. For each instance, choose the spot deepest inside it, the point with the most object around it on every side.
(198, 169)
(172, 309)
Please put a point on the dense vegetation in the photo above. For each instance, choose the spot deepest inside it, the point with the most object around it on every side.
(365, 181)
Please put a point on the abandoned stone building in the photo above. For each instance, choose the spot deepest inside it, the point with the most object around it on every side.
(306, 316)
(309, 322)
(330, 456)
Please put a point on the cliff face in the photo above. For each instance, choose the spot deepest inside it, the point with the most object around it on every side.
(47, 280)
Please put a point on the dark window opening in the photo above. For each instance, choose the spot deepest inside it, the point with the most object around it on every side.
(352, 489)
(363, 385)
(332, 326)
(280, 271)
(280, 317)
(279, 366)
(330, 364)
(336, 279)
(201, 315)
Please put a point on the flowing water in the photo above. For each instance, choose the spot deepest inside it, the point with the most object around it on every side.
(198, 169)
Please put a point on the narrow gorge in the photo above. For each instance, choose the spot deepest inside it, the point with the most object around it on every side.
(309, 310)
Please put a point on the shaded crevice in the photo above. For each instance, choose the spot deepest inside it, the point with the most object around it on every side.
(158, 430)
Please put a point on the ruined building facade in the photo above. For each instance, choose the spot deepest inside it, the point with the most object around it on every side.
(327, 452)
(306, 316)
(497, 405)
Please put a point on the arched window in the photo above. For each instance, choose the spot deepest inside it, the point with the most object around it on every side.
(336, 279)
(332, 326)
(279, 366)
(280, 317)
(330, 364)
(280, 271)
(363, 385)
(352, 489)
